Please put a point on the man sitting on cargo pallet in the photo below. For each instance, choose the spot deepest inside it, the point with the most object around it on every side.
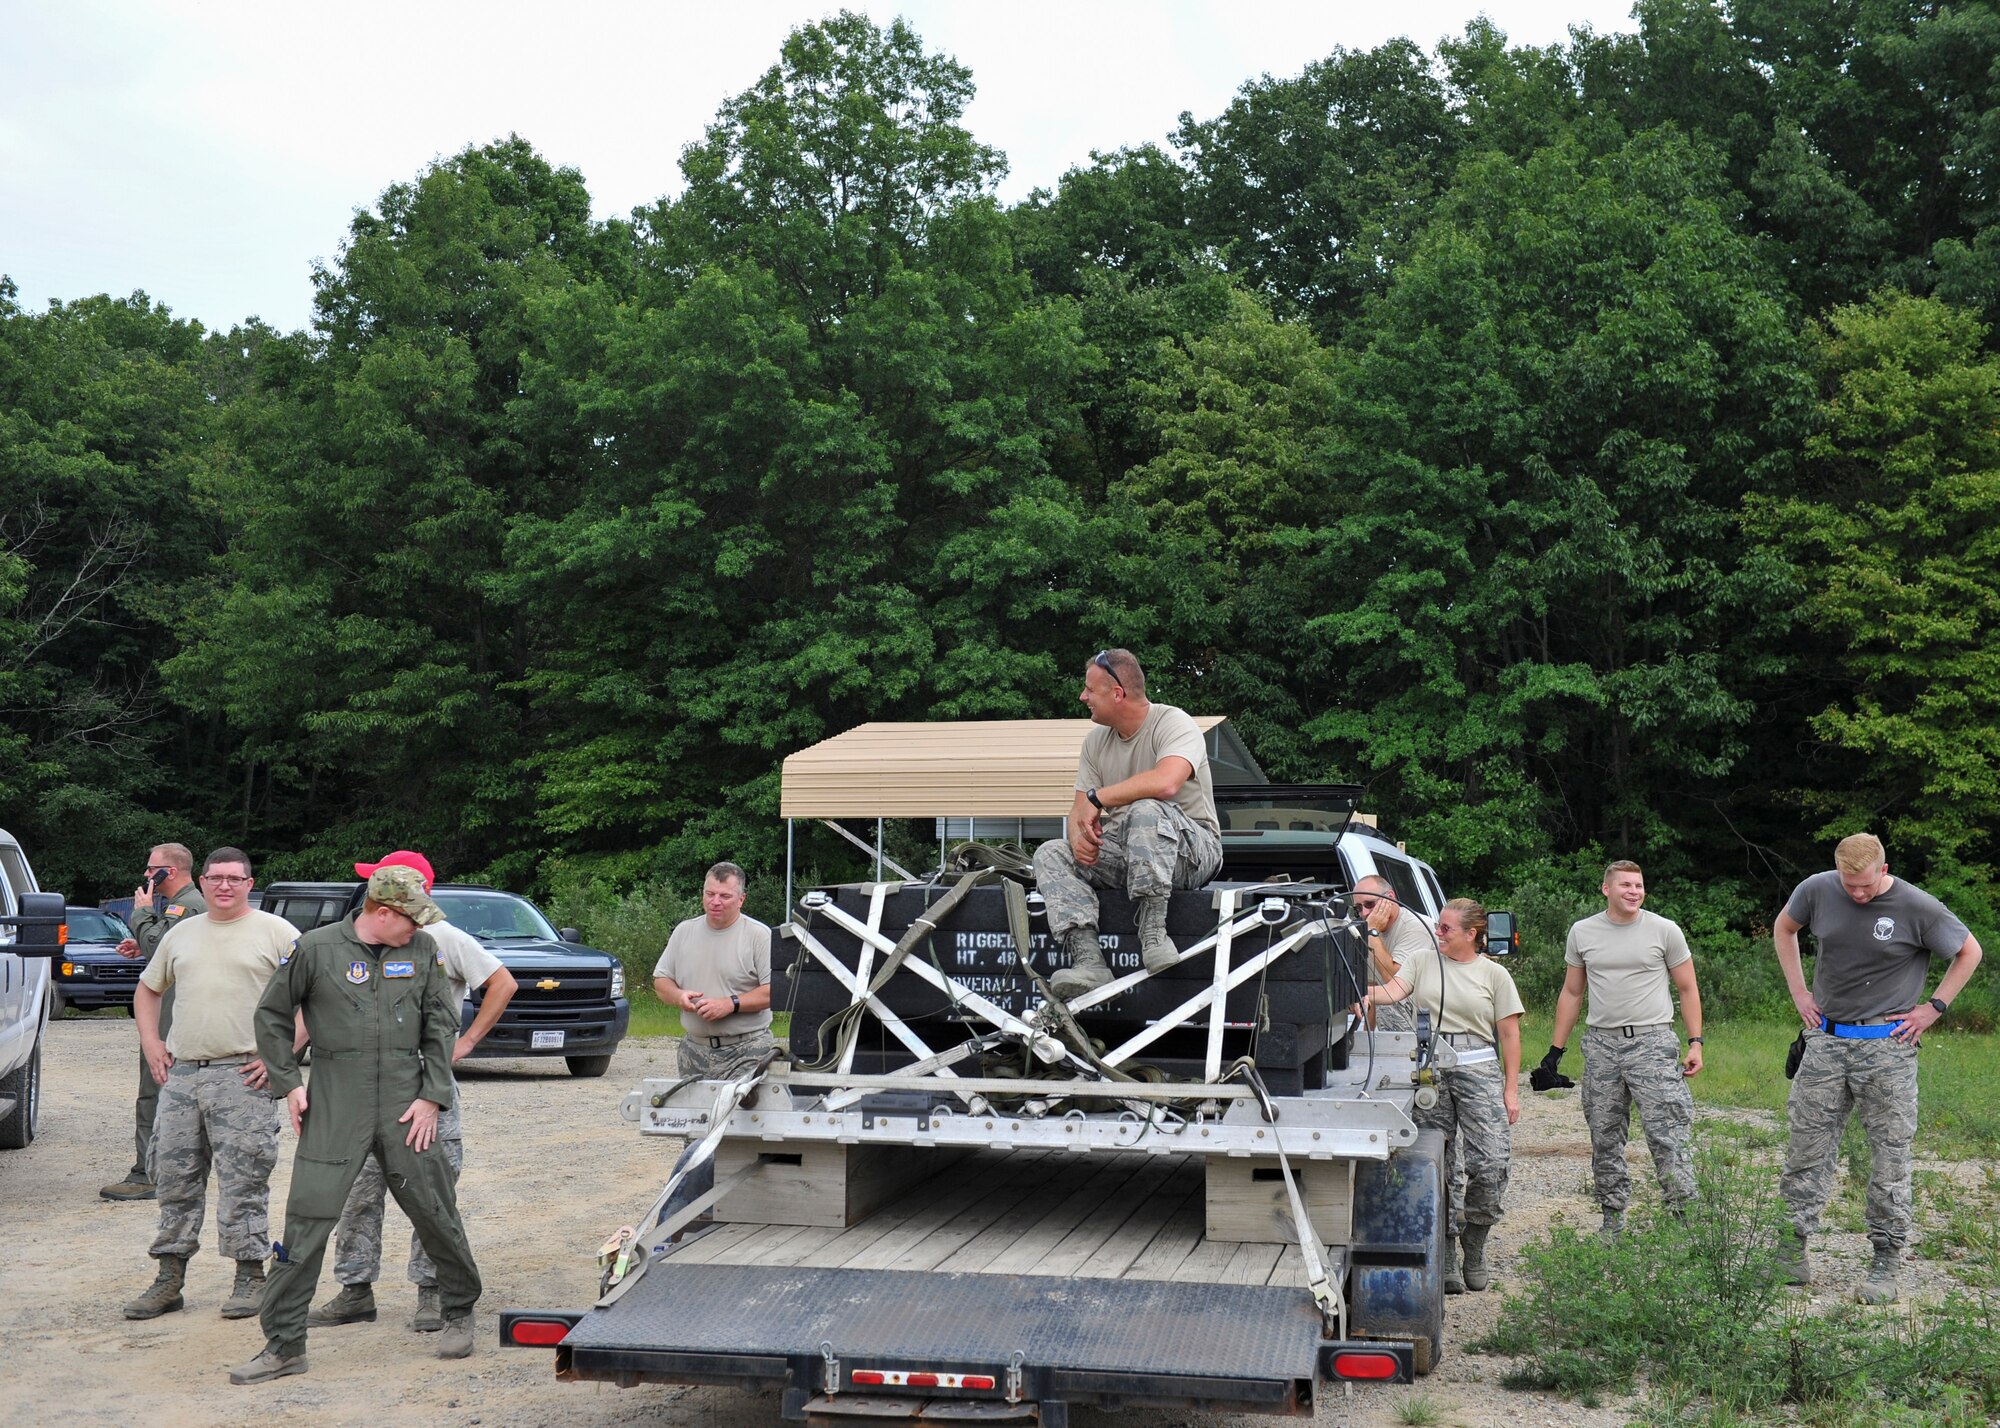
(717, 969)
(1143, 820)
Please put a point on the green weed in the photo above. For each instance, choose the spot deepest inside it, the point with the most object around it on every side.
(1419, 1410)
(1693, 1305)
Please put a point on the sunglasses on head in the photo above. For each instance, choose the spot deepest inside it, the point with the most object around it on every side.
(1102, 659)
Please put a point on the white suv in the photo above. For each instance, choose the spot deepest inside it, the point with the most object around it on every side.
(32, 930)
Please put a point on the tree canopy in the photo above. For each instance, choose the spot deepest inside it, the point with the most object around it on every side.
(1589, 447)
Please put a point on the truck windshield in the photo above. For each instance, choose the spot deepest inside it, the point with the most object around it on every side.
(88, 924)
(495, 916)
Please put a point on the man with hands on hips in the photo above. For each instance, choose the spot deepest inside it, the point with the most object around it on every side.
(717, 969)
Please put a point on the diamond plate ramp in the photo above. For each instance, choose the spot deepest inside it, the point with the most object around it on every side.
(1230, 1331)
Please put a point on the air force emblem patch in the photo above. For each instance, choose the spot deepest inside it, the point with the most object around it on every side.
(357, 972)
(399, 969)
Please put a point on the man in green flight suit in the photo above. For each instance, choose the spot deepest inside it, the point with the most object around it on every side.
(381, 1018)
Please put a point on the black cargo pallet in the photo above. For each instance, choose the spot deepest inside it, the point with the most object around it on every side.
(1287, 1003)
(1245, 1341)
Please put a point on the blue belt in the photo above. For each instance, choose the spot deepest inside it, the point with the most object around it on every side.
(1850, 1032)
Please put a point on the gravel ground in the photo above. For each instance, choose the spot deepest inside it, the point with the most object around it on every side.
(550, 1170)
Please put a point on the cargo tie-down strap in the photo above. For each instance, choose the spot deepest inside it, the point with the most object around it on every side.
(1332, 1310)
(629, 1253)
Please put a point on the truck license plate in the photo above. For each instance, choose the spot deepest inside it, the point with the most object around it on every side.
(545, 1041)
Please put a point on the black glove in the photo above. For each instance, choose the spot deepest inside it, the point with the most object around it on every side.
(1545, 1077)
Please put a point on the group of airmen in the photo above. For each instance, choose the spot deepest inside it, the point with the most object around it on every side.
(231, 1002)
(232, 997)
(1144, 821)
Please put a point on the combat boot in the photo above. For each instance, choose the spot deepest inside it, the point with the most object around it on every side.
(1613, 1226)
(1086, 971)
(430, 1316)
(163, 1295)
(268, 1365)
(1793, 1265)
(133, 1187)
(1880, 1285)
(456, 1340)
(1454, 1282)
(1476, 1275)
(1156, 949)
(248, 1292)
(355, 1304)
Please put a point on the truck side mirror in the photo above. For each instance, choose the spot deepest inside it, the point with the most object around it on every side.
(43, 924)
(569, 934)
(1502, 940)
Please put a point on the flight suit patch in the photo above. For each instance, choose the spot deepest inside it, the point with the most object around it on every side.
(357, 972)
(399, 969)
(174, 909)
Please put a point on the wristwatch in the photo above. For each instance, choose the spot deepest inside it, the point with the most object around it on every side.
(1096, 802)
(1940, 1005)
(1695, 1041)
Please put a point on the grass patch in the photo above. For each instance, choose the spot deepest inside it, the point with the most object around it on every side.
(653, 1018)
(1958, 1103)
(1695, 1308)
(1419, 1410)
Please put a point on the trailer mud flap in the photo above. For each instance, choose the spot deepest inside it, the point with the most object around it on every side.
(1395, 1287)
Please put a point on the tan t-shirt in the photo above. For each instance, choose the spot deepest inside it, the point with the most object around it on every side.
(1408, 935)
(1107, 759)
(466, 960)
(730, 962)
(1627, 965)
(221, 969)
(1476, 994)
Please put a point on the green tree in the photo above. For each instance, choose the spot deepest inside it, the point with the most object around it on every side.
(1313, 186)
(818, 486)
(1552, 631)
(1894, 524)
(358, 634)
(106, 410)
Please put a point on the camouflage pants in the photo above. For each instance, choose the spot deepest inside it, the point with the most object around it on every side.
(208, 1117)
(1472, 1112)
(1150, 848)
(719, 1063)
(146, 1109)
(357, 1240)
(1643, 1069)
(1878, 1079)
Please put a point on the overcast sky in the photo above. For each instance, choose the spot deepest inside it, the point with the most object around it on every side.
(208, 151)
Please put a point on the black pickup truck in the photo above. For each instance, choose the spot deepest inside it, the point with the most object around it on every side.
(571, 1001)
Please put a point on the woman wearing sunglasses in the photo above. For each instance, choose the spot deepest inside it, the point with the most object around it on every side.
(1476, 1010)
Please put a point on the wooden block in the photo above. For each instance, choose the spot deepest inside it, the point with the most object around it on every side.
(816, 1183)
(1247, 1203)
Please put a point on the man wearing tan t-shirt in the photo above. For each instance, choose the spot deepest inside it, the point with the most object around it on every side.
(215, 1108)
(1396, 936)
(1143, 821)
(1630, 962)
(717, 969)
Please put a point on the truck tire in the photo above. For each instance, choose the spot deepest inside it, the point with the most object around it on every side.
(588, 1065)
(17, 1127)
(56, 1002)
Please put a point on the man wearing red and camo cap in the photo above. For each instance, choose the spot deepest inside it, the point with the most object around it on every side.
(357, 1241)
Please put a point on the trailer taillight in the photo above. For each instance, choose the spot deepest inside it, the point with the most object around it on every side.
(1365, 1366)
(897, 1378)
(538, 1333)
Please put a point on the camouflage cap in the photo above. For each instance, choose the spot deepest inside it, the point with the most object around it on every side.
(403, 889)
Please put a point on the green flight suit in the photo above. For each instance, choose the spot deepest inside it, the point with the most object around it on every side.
(149, 923)
(382, 1021)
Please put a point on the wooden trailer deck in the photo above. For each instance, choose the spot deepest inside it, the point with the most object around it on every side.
(1025, 1212)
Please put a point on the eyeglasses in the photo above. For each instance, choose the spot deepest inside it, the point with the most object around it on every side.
(1102, 659)
(1366, 904)
(225, 880)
